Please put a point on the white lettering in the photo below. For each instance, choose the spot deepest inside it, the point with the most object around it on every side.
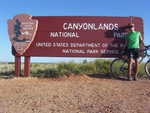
(120, 35)
(73, 51)
(63, 34)
(85, 45)
(43, 44)
(104, 45)
(60, 44)
(90, 51)
(103, 51)
(64, 26)
(90, 26)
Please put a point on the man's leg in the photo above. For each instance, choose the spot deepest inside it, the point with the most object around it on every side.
(129, 69)
(136, 69)
(136, 56)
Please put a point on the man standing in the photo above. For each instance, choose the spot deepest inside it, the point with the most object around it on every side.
(133, 41)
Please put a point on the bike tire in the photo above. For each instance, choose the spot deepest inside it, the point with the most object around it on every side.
(147, 69)
(119, 68)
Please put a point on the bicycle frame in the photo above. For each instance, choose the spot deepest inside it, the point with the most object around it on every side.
(123, 68)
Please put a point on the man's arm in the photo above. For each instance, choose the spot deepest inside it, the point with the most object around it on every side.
(141, 43)
(141, 40)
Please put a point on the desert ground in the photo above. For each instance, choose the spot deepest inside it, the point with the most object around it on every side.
(74, 94)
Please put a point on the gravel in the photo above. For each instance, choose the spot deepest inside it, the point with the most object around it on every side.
(74, 94)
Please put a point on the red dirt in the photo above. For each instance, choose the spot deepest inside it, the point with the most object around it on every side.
(80, 94)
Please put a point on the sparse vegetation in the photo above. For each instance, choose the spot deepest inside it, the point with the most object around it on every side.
(60, 69)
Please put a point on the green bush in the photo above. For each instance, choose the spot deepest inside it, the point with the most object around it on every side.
(57, 70)
(7, 69)
(102, 66)
(141, 70)
(68, 68)
(87, 68)
(52, 72)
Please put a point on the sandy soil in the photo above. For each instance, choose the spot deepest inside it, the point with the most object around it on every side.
(80, 94)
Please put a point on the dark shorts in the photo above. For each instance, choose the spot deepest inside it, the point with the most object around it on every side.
(133, 53)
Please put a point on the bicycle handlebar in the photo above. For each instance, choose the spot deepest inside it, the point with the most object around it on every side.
(146, 47)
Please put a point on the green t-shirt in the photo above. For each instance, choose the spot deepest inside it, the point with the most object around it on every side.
(133, 39)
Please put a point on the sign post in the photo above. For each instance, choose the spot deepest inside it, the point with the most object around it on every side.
(17, 65)
(69, 36)
(27, 66)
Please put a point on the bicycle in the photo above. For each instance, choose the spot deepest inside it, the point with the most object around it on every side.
(119, 66)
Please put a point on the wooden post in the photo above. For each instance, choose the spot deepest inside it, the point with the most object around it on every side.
(27, 66)
(17, 65)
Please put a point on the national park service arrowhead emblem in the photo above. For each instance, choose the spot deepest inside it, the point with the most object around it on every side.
(22, 30)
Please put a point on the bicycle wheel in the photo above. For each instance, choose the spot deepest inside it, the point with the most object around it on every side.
(147, 68)
(119, 68)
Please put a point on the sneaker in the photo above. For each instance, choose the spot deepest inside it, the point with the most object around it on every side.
(135, 78)
(129, 78)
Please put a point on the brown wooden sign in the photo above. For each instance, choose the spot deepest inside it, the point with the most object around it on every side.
(67, 36)
(70, 36)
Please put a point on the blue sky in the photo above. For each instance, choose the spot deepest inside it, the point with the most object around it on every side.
(10, 8)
